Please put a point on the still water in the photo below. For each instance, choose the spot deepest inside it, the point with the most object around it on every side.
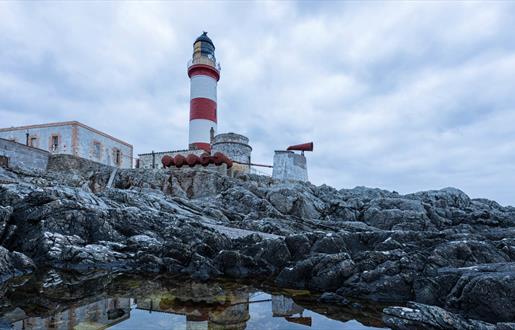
(121, 302)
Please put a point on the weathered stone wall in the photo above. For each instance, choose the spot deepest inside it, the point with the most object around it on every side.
(23, 157)
(236, 147)
(145, 160)
(70, 163)
(221, 169)
(289, 166)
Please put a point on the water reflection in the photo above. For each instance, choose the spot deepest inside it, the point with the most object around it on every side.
(126, 302)
(97, 315)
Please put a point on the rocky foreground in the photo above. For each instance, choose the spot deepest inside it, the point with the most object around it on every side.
(448, 260)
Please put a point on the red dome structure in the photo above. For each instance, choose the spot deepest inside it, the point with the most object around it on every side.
(179, 160)
(192, 160)
(167, 161)
(205, 159)
(218, 158)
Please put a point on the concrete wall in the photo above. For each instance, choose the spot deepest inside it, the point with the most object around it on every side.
(24, 157)
(145, 160)
(289, 166)
(74, 139)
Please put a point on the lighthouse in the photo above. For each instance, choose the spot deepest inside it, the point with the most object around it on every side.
(204, 73)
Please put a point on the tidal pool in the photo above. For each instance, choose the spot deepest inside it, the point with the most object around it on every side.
(52, 300)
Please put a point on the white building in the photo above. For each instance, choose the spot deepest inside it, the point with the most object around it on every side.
(73, 138)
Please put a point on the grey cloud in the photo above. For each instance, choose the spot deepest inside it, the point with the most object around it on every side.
(405, 96)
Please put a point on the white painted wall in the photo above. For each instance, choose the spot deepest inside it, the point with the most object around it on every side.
(43, 136)
(203, 86)
(200, 130)
(289, 166)
(85, 148)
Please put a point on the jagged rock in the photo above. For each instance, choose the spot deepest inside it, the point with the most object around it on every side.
(298, 245)
(419, 316)
(438, 247)
(14, 263)
(484, 291)
(466, 252)
(397, 213)
(318, 272)
(234, 264)
(5, 213)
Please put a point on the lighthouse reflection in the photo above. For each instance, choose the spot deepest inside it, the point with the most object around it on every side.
(211, 307)
(138, 303)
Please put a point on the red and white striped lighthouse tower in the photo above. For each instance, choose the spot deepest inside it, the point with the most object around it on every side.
(204, 73)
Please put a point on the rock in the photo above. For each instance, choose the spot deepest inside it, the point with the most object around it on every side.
(319, 272)
(143, 243)
(397, 213)
(14, 264)
(234, 264)
(466, 252)
(5, 213)
(484, 291)
(298, 245)
(418, 316)
(438, 247)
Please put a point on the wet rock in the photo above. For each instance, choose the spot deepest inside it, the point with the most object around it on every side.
(419, 316)
(484, 291)
(5, 213)
(318, 272)
(234, 264)
(14, 263)
(466, 252)
(298, 245)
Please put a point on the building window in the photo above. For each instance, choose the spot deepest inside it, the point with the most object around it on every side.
(33, 141)
(54, 143)
(117, 155)
(97, 150)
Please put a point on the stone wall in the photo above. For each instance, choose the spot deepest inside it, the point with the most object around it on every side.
(70, 163)
(289, 166)
(23, 157)
(236, 147)
(220, 169)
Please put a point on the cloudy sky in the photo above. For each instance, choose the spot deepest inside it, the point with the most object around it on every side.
(405, 96)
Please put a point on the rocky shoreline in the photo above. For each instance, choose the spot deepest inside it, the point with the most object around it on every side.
(448, 260)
